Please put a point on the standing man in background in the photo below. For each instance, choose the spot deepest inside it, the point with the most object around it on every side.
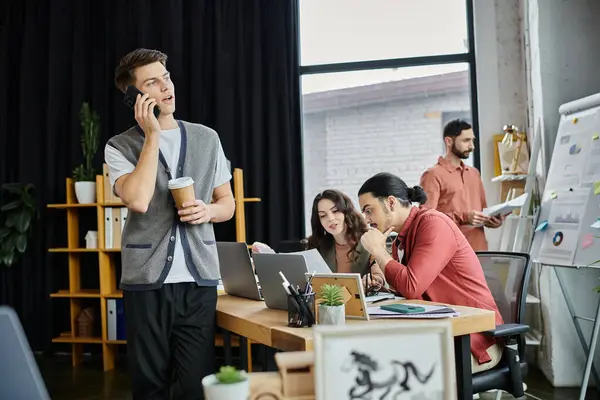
(456, 189)
(170, 266)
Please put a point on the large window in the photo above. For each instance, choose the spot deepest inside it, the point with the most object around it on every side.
(379, 80)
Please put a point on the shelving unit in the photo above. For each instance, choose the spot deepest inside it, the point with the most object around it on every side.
(107, 274)
(107, 268)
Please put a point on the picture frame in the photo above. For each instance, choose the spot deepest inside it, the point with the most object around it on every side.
(401, 361)
(356, 304)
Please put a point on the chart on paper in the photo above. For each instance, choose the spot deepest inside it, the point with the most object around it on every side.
(565, 219)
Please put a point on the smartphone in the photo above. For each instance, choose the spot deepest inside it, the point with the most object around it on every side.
(403, 308)
(130, 98)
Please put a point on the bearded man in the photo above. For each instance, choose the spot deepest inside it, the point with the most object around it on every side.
(456, 189)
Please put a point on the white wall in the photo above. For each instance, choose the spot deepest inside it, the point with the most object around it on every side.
(565, 61)
(558, 42)
(501, 89)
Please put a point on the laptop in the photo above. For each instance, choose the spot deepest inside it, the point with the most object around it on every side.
(237, 273)
(20, 376)
(293, 266)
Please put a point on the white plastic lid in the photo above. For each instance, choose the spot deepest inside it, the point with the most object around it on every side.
(180, 182)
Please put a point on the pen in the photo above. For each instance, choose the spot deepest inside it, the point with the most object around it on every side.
(378, 300)
(308, 288)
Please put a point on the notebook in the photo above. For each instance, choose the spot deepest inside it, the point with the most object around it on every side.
(430, 312)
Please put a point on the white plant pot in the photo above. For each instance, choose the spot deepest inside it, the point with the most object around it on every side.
(213, 390)
(332, 315)
(85, 192)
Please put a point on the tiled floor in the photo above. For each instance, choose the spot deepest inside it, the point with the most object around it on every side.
(89, 382)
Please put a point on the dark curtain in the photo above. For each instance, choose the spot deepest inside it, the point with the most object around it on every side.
(235, 68)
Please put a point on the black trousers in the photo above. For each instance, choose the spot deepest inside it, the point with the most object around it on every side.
(170, 340)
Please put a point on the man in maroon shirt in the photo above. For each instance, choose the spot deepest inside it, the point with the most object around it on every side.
(456, 189)
(438, 263)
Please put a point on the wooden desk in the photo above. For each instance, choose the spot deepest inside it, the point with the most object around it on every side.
(252, 320)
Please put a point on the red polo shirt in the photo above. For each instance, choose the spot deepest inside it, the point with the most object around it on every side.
(441, 267)
(456, 191)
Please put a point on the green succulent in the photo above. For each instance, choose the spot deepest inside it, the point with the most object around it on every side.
(228, 374)
(331, 295)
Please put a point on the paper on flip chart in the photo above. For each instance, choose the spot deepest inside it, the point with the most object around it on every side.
(507, 207)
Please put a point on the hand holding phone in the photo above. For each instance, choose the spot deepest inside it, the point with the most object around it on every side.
(145, 109)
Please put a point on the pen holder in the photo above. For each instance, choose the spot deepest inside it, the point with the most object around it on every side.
(300, 316)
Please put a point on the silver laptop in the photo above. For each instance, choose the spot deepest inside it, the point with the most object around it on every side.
(293, 266)
(20, 377)
(237, 273)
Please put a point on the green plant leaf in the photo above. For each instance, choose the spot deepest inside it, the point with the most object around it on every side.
(15, 188)
(228, 374)
(10, 206)
(21, 243)
(4, 232)
(8, 244)
(8, 259)
(10, 220)
(22, 221)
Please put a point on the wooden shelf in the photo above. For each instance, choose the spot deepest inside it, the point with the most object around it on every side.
(111, 250)
(72, 205)
(112, 204)
(82, 293)
(67, 250)
(115, 295)
(78, 340)
(106, 269)
(115, 341)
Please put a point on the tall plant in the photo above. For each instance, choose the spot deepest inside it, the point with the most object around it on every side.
(90, 140)
(16, 218)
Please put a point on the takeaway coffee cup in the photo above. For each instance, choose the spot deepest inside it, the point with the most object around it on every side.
(182, 190)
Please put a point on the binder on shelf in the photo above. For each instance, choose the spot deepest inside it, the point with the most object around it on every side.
(109, 195)
(115, 321)
(108, 228)
(116, 228)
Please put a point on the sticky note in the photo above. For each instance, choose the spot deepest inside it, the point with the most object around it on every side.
(595, 137)
(575, 120)
(596, 224)
(553, 195)
(596, 188)
(587, 241)
(542, 226)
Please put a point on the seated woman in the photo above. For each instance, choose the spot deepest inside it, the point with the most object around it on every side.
(438, 263)
(336, 230)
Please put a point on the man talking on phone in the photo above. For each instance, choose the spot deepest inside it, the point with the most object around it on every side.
(170, 266)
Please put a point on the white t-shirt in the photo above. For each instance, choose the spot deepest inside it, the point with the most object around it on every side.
(169, 145)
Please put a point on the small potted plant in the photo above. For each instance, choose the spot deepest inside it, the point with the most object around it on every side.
(227, 384)
(84, 175)
(332, 309)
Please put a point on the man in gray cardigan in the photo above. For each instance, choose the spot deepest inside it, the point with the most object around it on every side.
(169, 257)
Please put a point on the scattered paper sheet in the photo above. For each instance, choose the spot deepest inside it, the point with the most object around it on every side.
(431, 312)
(587, 241)
(507, 207)
(596, 224)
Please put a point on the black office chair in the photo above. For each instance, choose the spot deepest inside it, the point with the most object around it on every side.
(507, 275)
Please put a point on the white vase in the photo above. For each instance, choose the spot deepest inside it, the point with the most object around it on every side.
(332, 315)
(85, 192)
(213, 390)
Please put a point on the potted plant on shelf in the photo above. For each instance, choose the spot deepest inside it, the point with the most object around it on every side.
(227, 384)
(84, 175)
(332, 309)
(16, 217)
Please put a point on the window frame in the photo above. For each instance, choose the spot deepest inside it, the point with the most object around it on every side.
(467, 57)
